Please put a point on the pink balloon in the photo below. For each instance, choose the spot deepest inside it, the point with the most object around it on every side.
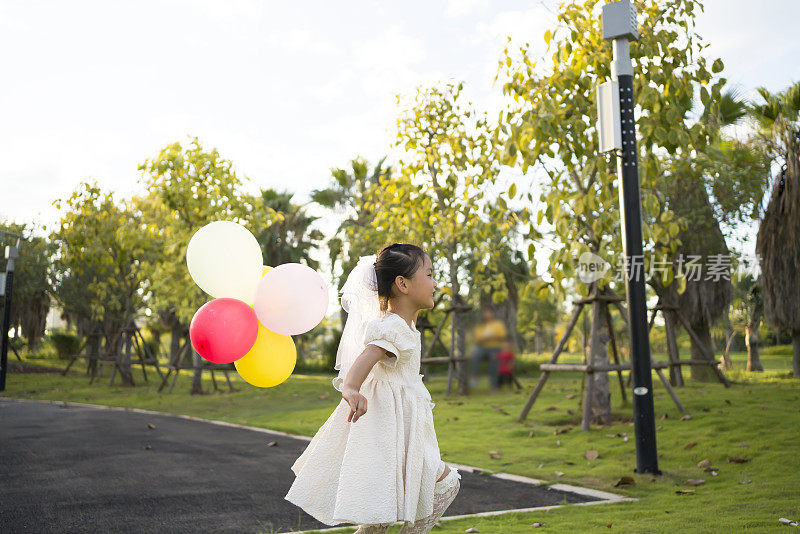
(223, 330)
(291, 299)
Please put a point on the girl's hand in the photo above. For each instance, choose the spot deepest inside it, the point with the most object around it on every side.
(357, 402)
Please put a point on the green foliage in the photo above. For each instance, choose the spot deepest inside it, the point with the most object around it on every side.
(103, 252)
(552, 126)
(785, 104)
(737, 173)
(288, 236)
(778, 120)
(777, 350)
(538, 313)
(31, 288)
(348, 197)
(188, 187)
(439, 198)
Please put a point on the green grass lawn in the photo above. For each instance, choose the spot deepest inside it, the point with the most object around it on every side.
(758, 418)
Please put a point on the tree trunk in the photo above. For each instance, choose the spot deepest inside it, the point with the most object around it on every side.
(726, 362)
(751, 340)
(702, 373)
(538, 341)
(197, 375)
(93, 342)
(597, 407)
(125, 372)
(178, 333)
(796, 353)
(156, 333)
(587, 344)
(675, 374)
(114, 350)
(301, 342)
(459, 327)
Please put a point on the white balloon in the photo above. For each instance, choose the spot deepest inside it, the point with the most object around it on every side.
(224, 260)
(291, 299)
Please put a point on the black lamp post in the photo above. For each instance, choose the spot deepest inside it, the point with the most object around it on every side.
(617, 133)
(6, 286)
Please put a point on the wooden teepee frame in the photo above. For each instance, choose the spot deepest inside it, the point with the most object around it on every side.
(423, 325)
(177, 364)
(132, 340)
(603, 299)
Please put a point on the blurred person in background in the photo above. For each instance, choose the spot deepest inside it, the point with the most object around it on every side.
(490, 334)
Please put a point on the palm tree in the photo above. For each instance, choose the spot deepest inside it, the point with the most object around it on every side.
(704, 299)
(778, 239)
(288, 239)
(347, 197)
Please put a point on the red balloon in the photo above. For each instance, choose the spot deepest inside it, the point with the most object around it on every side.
(223, 330)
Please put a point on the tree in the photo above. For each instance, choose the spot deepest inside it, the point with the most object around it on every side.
(104, 244)
(551, 127)
(449, 164)
(538, 315)
(346, 197)
(74, 291)
(515, 271)
(31, 292)
(188, 187)
(286, 238)
(778, 239)
(733, 171)
(752, 308)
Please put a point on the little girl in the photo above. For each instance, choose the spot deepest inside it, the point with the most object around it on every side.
(376, 460)
(505, 368)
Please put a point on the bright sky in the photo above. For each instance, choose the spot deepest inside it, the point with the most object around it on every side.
(286, 90)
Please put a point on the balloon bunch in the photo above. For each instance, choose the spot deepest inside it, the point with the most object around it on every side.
(256, 308)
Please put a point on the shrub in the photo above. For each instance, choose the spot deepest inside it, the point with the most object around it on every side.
(777, 350)
(66, 345)
(315, 365)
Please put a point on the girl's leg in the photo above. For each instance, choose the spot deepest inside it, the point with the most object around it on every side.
(477, 356)
(443, 472)
(444, 492)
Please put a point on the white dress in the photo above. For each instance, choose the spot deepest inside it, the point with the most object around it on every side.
(383, 467)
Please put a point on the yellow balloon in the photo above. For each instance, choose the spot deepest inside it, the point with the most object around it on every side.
(265, 270)
(270, 361)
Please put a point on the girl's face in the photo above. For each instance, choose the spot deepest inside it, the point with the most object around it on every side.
(423, 285)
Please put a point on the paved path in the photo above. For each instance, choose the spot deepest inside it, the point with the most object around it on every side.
(74, 468)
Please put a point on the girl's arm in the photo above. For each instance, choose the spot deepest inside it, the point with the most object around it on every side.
(355, 377)
(362, 366)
